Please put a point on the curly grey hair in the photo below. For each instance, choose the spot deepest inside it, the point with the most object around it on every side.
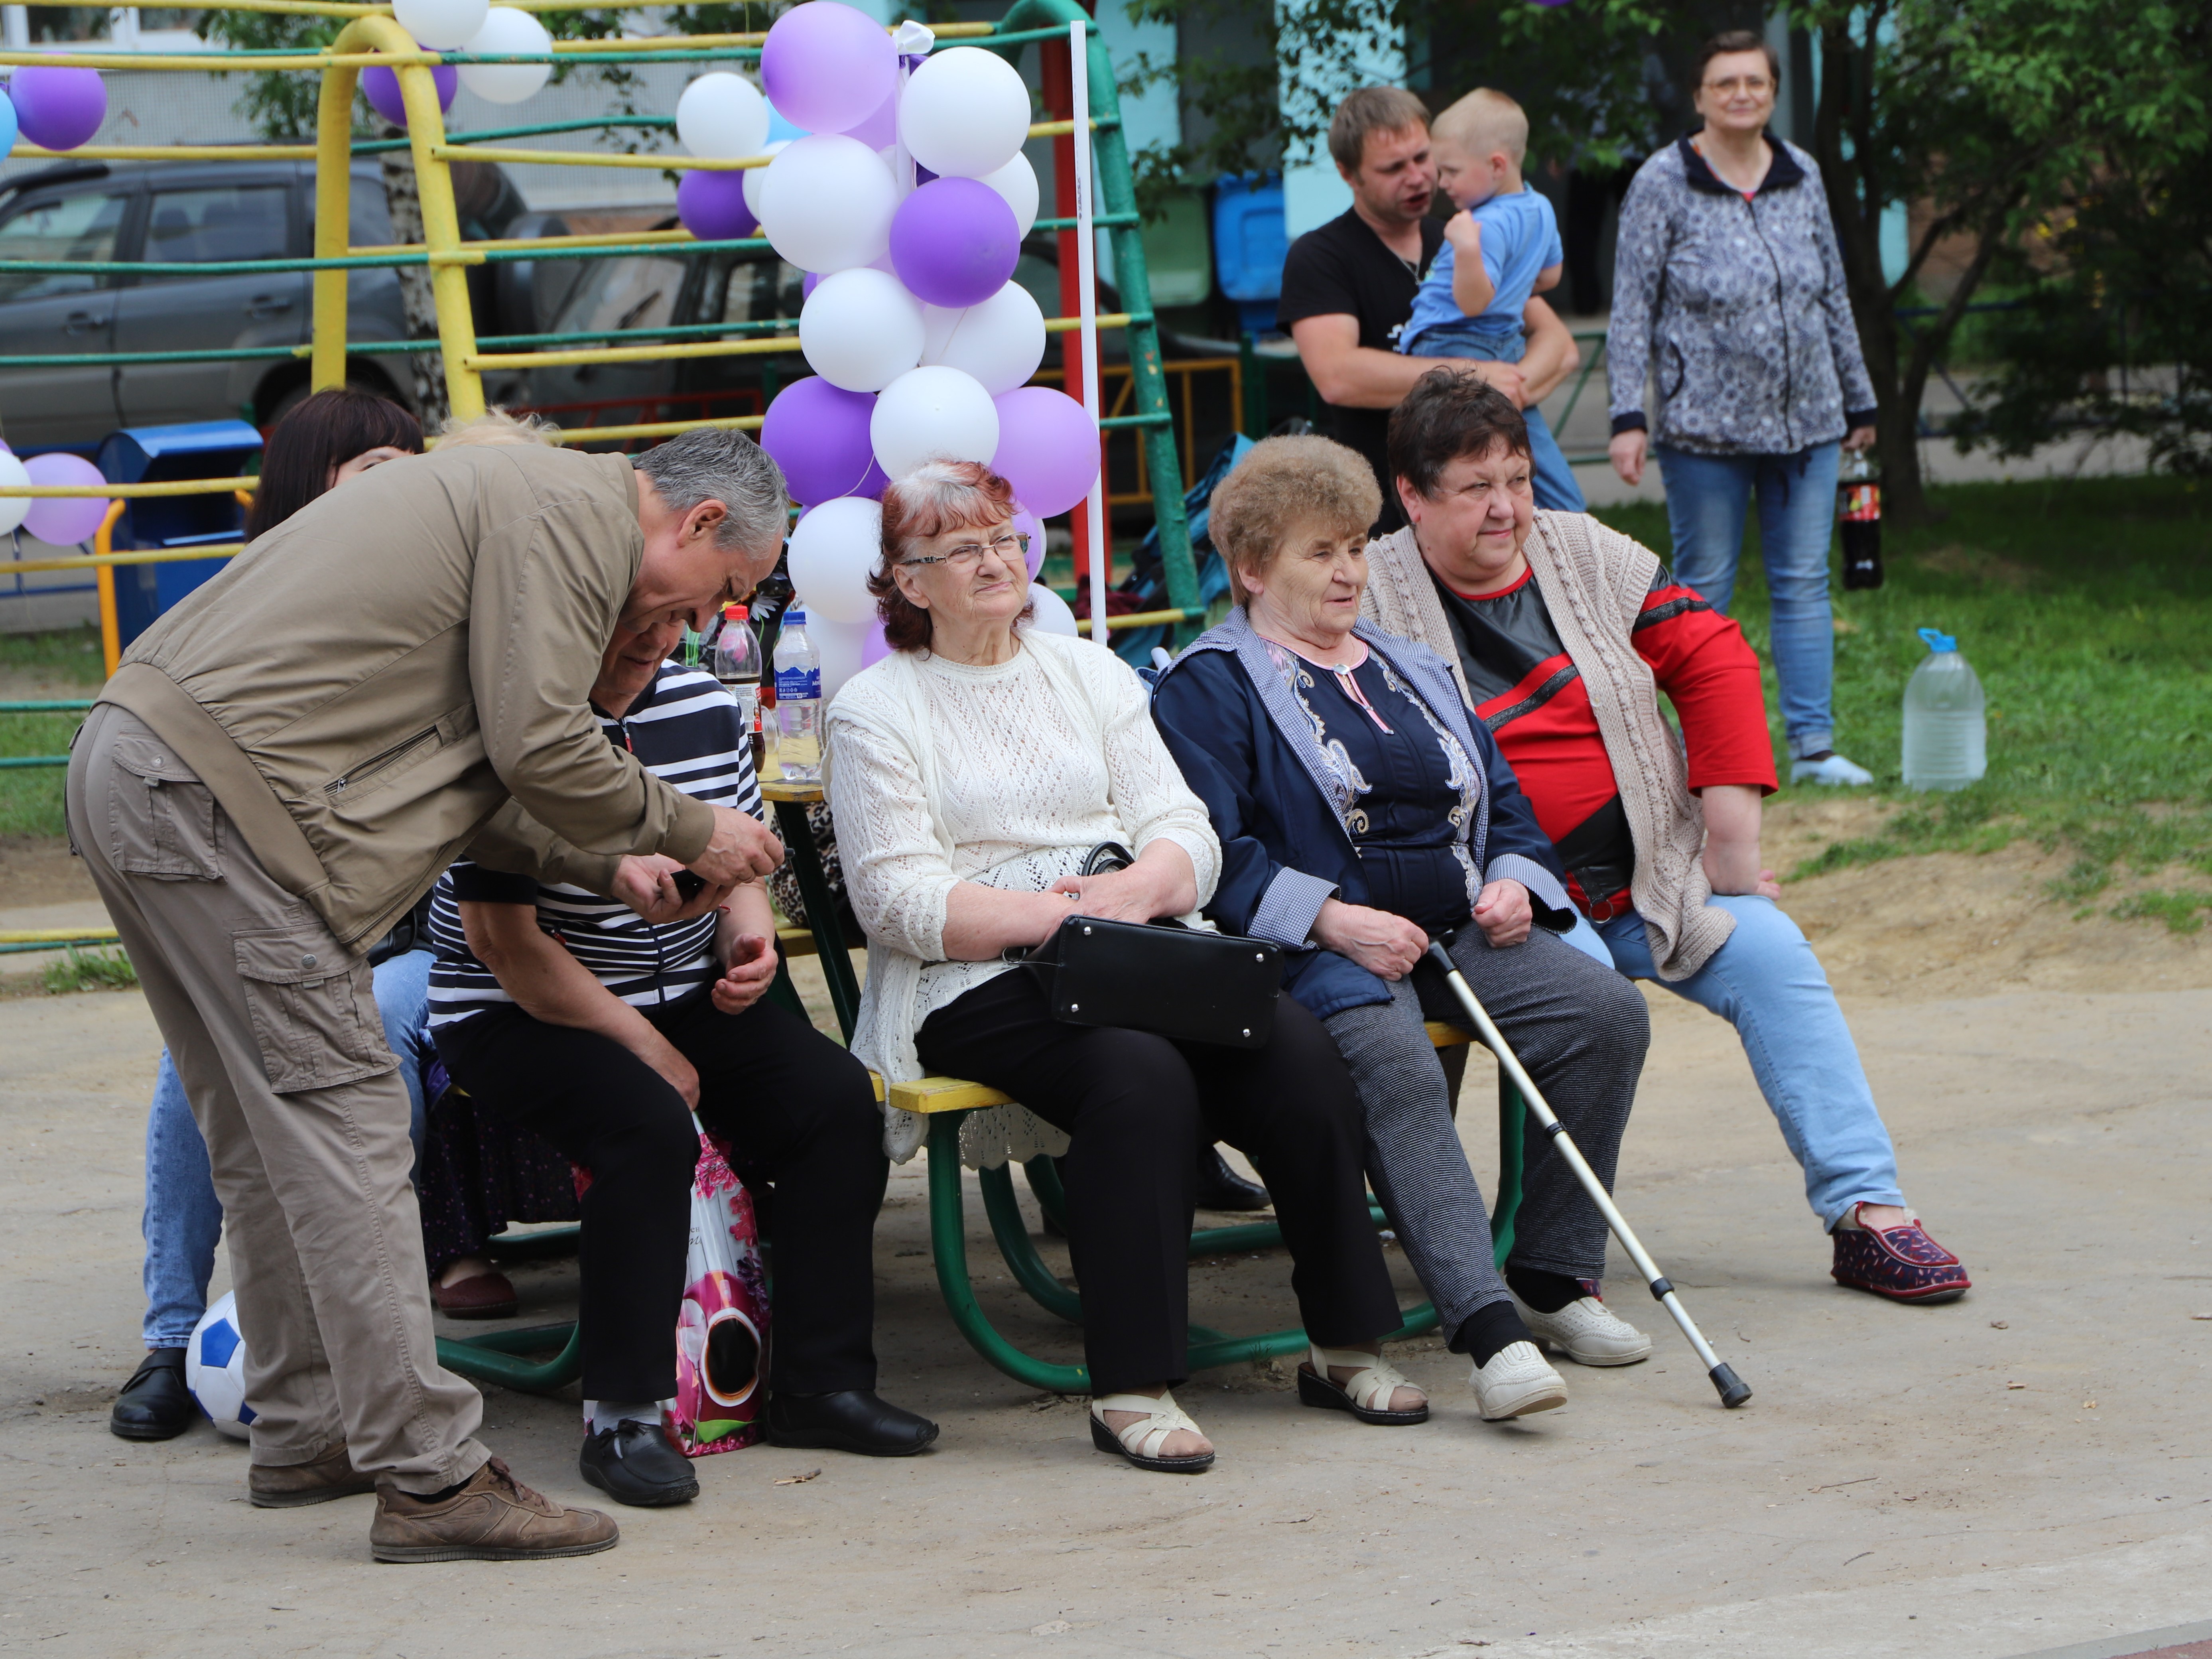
(711, 464)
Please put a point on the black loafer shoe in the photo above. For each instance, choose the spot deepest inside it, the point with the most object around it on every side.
(155, 1404)
(852, 1420)
(633, 1463)
(1215, 1185)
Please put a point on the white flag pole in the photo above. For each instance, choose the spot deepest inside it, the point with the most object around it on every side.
(1086, 262)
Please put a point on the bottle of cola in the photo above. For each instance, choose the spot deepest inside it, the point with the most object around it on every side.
(1858, 510)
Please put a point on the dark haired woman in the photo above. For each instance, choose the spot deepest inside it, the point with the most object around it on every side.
(332, 436)
(971, 771)
(1729, 288)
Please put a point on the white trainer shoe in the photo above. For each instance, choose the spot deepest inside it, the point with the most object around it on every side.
(1587, 1332)
(1835, 769)
(1516, 1381)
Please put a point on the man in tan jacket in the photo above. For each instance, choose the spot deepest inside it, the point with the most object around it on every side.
(284, 765)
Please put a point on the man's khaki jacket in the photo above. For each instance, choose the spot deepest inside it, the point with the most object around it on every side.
(402, 671)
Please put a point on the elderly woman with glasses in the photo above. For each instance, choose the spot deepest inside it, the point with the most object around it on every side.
(972, 771)
(1363, 813)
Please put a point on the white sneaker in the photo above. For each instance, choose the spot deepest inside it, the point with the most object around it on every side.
(1516, 1381)
(1833, 770)
(1587, 1331)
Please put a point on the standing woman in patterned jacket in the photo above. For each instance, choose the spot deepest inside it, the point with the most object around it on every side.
(1728, 291)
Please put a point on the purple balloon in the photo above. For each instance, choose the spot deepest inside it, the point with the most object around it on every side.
(1027, 523)
(1047, 449)
(874, 647)
(828, 67)
(955, 242)
(818, 434)
(812, 281)
(59, 108)
(70, 519)
(380, 87)
(880, 129)
(711, 206)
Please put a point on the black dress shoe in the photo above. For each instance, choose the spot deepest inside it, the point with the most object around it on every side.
(633, 1463)
(155, 1404)
(852, 1419)
(1217, 1187)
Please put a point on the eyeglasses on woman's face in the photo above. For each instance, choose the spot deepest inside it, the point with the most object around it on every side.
(1011, 547)
(1748, 86)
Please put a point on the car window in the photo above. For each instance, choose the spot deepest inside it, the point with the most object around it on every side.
(762, 290)
(618, 294)
(230, 221)
(369, 219)
(75, 227)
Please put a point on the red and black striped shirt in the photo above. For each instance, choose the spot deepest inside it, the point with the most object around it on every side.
(1531, 696)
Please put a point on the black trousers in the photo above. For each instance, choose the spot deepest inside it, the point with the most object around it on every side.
(798, 1110)
(1134, 1104)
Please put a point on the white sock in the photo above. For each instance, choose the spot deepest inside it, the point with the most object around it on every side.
(606, 1413)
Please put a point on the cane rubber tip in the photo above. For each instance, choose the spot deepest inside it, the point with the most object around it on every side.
(1733, 1389)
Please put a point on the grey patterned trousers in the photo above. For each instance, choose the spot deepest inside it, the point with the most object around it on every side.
(1581, 1033)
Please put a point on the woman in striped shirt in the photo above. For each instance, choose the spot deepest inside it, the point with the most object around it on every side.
(570, 1016)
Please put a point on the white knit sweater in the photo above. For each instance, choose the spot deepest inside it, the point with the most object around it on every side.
(939, 774)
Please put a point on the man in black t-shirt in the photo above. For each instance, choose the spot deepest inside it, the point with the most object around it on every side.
(1348, 286)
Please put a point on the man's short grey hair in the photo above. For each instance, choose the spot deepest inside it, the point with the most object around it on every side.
(710, 464)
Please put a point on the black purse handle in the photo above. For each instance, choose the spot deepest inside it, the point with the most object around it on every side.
(1101, 860)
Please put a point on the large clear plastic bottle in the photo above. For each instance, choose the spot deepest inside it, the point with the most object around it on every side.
(798, 701)
(735, 661)
(1945, 730)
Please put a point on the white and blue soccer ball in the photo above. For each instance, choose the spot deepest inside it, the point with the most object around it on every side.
(214, 1368)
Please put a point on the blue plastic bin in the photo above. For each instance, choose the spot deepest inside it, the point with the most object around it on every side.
(1249, 245)
(157, 455)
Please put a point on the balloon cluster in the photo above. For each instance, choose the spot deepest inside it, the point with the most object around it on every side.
(474, 26)
(904, 197)
(55, 108)
(65, 520)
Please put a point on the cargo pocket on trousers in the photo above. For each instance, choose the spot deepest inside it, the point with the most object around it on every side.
(314, 1015)
(161, 817)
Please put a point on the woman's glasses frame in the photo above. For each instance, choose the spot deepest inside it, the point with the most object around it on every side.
(1013, 548)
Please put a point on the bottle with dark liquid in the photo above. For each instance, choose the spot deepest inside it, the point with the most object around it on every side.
(1858, 511)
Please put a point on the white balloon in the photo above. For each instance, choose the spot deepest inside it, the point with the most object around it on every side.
(722, 115)
(1018, 182)
(826, 204)
(932, 414)
(965, 114)
(1000, 342)
(755, 177)
(833, 549)
(13, 509)
(839, 644)
(1053, 616)
(441, 25)
(507, 30)
(859, 330)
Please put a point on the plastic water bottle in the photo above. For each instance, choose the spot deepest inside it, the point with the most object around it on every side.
(736, 663)
(1946, 735)
(798, 701)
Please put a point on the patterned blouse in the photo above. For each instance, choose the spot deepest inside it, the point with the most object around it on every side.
(1411, 787)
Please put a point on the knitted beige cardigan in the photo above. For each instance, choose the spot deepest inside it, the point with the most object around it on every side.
(1594, 581)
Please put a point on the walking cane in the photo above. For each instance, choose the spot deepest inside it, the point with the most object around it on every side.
(1734, 1391)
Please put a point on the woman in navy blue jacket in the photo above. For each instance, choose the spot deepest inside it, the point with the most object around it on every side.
(1362, 812)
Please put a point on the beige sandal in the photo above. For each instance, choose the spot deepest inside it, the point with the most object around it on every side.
(1367, 1396)
(1141, 1440)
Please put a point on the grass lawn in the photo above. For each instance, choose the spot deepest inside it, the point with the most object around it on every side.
(2086, 608)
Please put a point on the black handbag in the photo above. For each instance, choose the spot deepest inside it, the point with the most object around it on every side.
(1161, 976)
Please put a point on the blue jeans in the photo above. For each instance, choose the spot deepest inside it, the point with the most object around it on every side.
(1554, 481)
(1708, 497)
(1767, 982)
(183, 1218)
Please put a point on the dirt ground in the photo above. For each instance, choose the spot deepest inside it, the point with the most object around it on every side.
(2025, 1469)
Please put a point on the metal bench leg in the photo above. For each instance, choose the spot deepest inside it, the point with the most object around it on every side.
(1512, 1138)
(949, 1245)
(499, 1358)
(1013, 1235)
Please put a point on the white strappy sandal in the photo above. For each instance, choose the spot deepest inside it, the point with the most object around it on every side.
(1367, 1396)
(1141, 1440)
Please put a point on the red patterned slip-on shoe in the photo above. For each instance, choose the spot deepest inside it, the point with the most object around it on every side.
(1902, 1263)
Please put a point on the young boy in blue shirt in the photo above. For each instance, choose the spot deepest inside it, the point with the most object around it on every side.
(1502, 246)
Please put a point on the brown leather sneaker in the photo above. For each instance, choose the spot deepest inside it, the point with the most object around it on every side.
(494, 1517)
(290, 1486)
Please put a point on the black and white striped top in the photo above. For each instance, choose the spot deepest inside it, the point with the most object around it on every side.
(685, 729)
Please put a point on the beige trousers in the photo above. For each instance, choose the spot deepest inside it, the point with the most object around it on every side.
(274, 1031)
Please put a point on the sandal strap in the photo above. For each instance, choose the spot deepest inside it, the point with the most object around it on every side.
(1162, 1418)
(1375, 1379)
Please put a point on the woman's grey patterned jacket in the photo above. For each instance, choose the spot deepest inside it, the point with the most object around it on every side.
(1738, 307)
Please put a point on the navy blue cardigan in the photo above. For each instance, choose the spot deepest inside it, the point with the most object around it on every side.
(1238, 733)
